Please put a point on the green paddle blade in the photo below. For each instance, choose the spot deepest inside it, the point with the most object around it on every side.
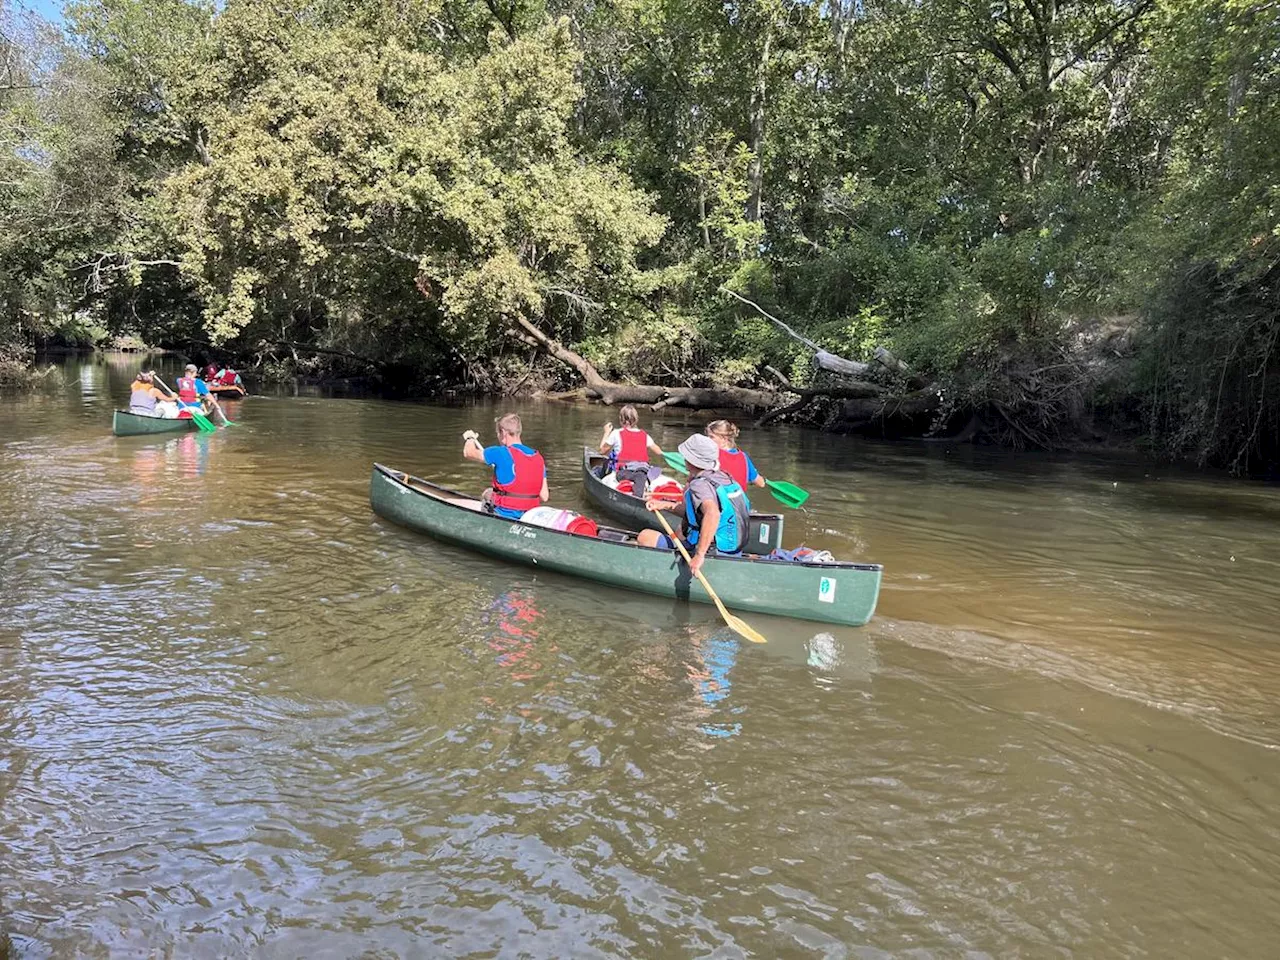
(676, 462)
(203, 422)
(788, 494)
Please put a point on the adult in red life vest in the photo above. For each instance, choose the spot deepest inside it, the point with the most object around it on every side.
(629, 448)
(519, 472)
(733, 461)
(191, 392)
(194, 395)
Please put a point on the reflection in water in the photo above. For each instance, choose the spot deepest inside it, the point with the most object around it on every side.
(709, 672)
(512, 621)
(240, 715)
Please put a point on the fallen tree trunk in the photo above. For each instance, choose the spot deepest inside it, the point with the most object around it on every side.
(911, 414)
(852, 390)
(698, 397)
(866, 404)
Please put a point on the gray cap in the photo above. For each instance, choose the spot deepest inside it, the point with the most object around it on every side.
(701, 451)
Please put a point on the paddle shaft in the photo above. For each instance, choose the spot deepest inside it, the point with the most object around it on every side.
(734, 623)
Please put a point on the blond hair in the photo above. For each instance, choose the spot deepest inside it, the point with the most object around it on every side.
(508, 424)
(727, 430)
(628, 416)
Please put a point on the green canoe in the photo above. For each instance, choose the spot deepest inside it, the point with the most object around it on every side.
(843, 593)
(126, 424)
(764, 531)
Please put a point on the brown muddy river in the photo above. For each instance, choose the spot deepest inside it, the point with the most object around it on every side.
(240, 715)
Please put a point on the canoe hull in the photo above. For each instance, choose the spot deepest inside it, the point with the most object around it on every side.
(126, 424)
(829, 593)
(764, 530)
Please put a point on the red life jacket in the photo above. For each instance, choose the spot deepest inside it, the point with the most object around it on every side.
(734, 463)
(634, 447)
(228, 378)
(525, 491)
(187, 389)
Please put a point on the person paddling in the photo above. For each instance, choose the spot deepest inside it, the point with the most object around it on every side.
(194, 394)
(191, 391)
(225, 377)
(733, 461)
(148, 400)
(629, 448)
(714, 506)
(519, 472)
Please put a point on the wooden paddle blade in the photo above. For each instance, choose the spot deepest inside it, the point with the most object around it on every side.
(744, 629)
(735, 624)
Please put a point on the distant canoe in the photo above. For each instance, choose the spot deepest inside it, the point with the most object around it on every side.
(126, 424)
(229, 390)
(765, 530)
(843, 593)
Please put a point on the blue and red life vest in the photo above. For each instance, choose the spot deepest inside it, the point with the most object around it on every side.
(187, 389)
(731, 534)
(525, 491)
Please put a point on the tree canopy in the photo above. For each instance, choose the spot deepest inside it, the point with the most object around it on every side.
(1066, 213)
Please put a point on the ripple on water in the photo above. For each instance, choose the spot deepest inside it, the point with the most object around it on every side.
(240, 715)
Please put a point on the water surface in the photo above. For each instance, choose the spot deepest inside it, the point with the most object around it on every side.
(241, 715)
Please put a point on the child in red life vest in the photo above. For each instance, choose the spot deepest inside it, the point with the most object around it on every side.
(733, 461)
(519, 472)
(629, 448)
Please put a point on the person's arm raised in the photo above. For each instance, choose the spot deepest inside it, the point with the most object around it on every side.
(605, 445)
(471, 448)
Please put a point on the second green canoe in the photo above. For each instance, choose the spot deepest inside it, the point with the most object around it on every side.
(764, 530)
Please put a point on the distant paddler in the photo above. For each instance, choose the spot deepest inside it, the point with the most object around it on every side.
(519, 472)
(629, 448)
(714, 507)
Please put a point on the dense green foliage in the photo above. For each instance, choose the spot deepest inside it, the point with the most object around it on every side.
(1063, 211)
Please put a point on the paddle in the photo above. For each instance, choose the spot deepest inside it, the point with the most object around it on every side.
(226, 421)
(787, 494)
(735, 624)
(202, 422)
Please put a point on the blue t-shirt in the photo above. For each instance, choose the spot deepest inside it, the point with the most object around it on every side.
(504, 471)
